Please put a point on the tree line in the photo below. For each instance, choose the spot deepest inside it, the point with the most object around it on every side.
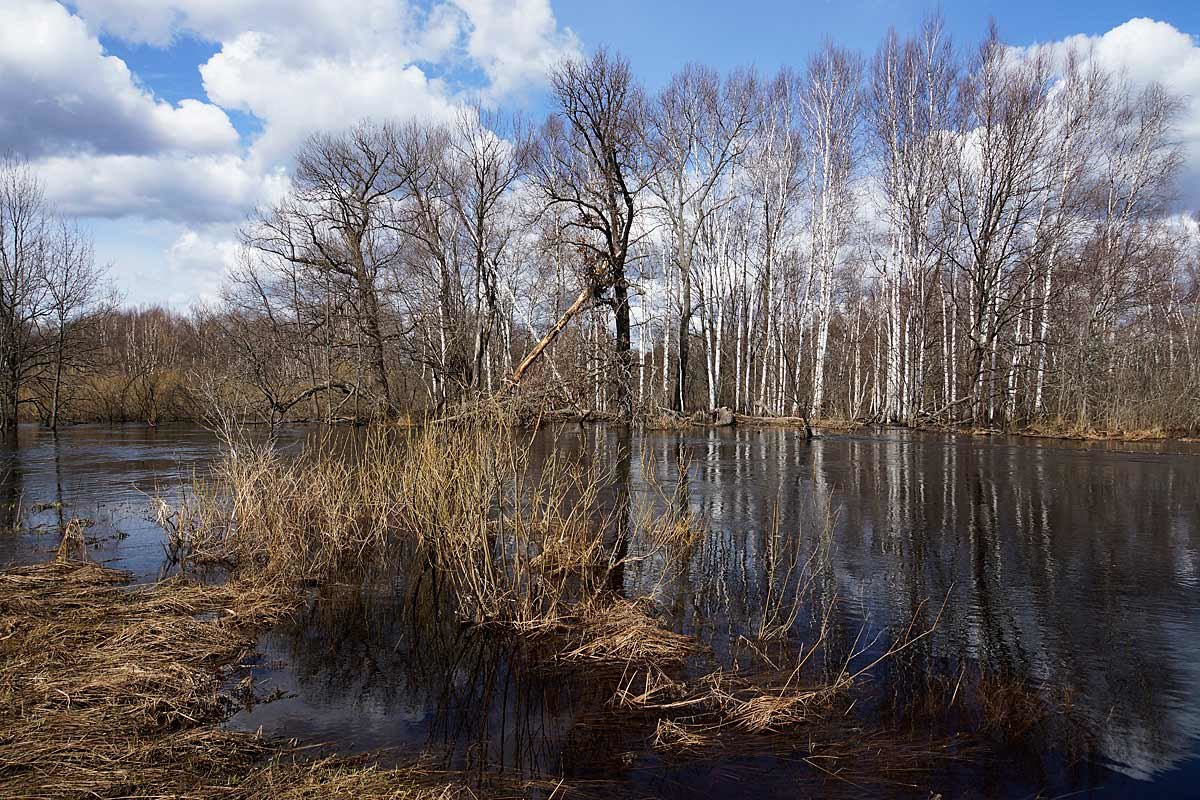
(930, 234)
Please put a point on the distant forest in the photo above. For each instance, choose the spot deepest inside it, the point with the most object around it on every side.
(930, 234)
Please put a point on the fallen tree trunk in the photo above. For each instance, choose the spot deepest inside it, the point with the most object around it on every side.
(581, 303)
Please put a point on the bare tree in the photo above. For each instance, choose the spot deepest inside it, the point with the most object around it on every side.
(333, 224)
(994, 188)
(591, 160)
(25, 223)
(910, 111)
(830, 104)
(489, 154)
(77, 300)
(774, 182)
(1077, 108)
(696, 131)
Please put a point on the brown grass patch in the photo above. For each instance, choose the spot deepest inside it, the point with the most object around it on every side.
(111, 692)
(102, 689)
(621, 632)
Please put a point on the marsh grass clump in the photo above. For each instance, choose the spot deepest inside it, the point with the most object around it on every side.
(675, 737)
(794, 573)
(526, 546)
(522, 545)
(289, 519)
(624, 632)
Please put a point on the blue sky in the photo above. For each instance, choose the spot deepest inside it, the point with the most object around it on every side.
(660, 35)
(162, 123)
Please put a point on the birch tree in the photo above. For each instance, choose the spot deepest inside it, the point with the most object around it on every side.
(697, 131)
(830, 110)
(910, 113)
(995, 184)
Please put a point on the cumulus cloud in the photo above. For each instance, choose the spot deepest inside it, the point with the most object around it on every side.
(321, 28)
(297, 66)
(1146, 51)
(177, 177)
(60, 92)
(328, 68)
(257, 73)
(516, 42)
(200, 260)
(159, 262)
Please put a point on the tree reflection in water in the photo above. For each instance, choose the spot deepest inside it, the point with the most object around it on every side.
(1067, 642)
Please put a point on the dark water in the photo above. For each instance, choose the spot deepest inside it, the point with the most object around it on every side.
(1067, 569)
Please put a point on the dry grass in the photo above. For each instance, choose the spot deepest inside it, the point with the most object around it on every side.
(793, 573)
(659, 419)
(351, 779)
(522, 545)
(290, 520)
(735, 715)
(678, 738)
(1059, 428)
(103, 690)
(113, 693)
(1011, 708)
(771, 700)
(622, 632)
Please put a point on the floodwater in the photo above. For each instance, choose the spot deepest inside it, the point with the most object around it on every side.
(1068, 569)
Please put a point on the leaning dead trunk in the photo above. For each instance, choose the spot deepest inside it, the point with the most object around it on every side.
(581, 303)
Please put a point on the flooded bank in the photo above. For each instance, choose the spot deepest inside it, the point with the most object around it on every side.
(1067, 574)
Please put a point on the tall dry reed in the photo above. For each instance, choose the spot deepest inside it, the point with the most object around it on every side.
(521, 543)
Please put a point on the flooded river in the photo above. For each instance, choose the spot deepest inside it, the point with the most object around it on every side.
(1069, 569)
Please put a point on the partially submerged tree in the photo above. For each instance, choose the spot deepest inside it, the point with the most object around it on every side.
(26, 232)
(997, 178)
(331, 227)
(78, 304)
(489, 155)
(910, 117)
(830, 110)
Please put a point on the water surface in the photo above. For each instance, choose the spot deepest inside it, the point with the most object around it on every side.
(1069, 568)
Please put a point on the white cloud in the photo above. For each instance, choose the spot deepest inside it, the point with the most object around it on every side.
(327, 68)
(167, 263)
(176, 177)
(201, 260)
(516, 42)
(259, 74)
(60, 92)
(299, 66)
(311, 27)
(1148, 51)
(177, 188)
